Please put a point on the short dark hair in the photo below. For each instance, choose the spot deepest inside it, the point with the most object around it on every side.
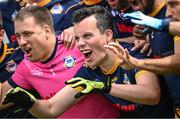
(41, 15)
(102, 16)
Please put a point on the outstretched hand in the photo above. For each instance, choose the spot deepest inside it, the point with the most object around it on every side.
(138, 17)
(126, 60)
(88, 86)
(67, 36)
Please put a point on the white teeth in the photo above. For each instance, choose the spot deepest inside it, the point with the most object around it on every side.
(27, 49)
(84, 52)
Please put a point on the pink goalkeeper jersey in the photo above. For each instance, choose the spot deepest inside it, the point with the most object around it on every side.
(48, 78)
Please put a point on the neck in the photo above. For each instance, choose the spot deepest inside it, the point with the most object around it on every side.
(110, 63)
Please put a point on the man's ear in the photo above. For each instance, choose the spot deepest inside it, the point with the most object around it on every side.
(47, 31)
(1, 34)
(109, 35)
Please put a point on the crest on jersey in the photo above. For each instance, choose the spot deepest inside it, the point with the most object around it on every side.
(57, 9)
(11, 66)
(69, 61)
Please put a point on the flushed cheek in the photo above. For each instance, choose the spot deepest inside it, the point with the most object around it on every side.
(178, 15)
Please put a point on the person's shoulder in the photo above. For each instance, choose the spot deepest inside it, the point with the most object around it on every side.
(86, 72)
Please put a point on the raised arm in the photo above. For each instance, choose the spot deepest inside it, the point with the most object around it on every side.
(174, 28)
(166, 65)
(146, 91)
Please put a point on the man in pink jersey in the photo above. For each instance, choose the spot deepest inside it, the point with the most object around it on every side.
(48, 64)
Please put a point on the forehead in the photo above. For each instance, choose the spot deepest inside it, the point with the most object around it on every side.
(25, 24)
(87, 24)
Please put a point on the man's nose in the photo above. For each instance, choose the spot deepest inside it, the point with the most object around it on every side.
(22, 41)
(169, 12)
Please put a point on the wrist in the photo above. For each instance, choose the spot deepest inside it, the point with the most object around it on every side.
(138, 63)
(106, 89)
(28, 107)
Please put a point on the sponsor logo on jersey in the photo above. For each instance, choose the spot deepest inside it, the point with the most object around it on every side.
(36, 72)
(124, 28)
(69, 62)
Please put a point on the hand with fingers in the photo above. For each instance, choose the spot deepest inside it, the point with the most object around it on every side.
(138, 31)
(126, 60)
(89, 86)
(20, 98)
(138, 17)
(67, 37)
(143, 45)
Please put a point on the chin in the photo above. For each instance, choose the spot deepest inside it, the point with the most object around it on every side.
(33, 60)
(91, 65)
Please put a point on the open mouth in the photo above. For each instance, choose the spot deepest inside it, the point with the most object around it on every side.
(87, 54)
(27, 51)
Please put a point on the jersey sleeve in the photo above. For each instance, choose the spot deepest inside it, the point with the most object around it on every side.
(19, 78)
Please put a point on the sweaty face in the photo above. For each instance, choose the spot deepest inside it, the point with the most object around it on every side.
(31, 38)
(90, 41)
(144, 6)
(173, 10)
